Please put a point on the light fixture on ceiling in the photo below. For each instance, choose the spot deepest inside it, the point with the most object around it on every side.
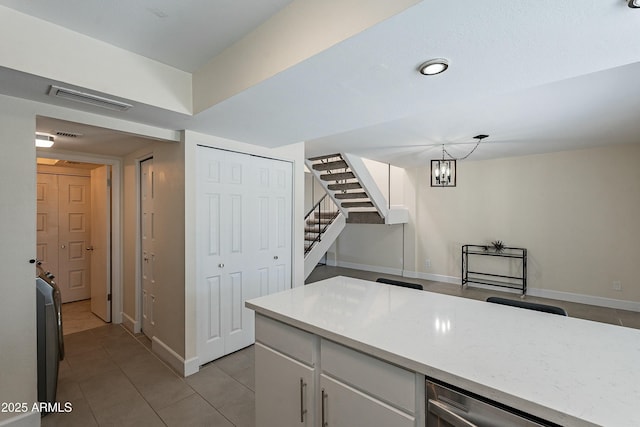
(433, 67)
(444, 171)
(43, 140)
(634, 4)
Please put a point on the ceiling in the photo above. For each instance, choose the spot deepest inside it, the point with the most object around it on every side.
(536, 76)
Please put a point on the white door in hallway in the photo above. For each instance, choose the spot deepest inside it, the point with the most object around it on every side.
(243, 246)
(101, 243)
(74, 237)
(47, 221)
(147, 179)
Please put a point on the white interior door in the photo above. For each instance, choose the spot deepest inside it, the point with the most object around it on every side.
(101, 243)
(147, 195)
(74, 237)
(272, 224)
(47, 222)
(237, 235)
(222, 240)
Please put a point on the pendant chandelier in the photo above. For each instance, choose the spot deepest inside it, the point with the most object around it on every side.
(443, 171)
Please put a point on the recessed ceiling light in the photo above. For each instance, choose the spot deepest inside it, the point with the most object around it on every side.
(434, 66)
(634, 4)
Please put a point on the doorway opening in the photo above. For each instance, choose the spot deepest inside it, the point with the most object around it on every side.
(73, 224)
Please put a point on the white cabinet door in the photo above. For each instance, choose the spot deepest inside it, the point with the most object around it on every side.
(243, 238)
(344, 406)
(285, 390)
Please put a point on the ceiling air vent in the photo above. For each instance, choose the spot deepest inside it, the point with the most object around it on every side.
(88, 98)
(67, 134)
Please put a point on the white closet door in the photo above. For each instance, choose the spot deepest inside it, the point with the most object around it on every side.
(233, 239)
(272, 222)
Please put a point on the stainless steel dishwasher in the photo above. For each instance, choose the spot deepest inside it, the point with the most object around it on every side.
(447, 407)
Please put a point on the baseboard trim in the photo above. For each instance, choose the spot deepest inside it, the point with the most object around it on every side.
(537, 292)
(129, 323)
(585, 299)
(534, 292)
(31, 419)
(373, 268)
(174, 360)
(433, 277)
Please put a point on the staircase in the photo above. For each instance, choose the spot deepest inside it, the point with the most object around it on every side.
(352, 197)
(343, 185)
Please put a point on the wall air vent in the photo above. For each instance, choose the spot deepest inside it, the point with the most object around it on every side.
(88, 98)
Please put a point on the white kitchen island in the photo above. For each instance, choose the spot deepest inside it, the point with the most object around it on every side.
(369, 346)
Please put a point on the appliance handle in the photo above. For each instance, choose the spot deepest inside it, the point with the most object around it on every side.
(443, 411)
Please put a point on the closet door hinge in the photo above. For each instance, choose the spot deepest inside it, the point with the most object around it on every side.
(109, 182)
(108, 297)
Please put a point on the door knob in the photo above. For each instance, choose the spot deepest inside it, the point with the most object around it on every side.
(89, 248)
(62, 246)
(221, 265)
(275, 257)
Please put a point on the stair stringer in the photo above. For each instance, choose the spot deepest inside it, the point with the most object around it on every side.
(320, 248)
(367, 182)
(325, 186)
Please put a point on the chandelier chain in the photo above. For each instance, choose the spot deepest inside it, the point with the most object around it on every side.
(444, 150)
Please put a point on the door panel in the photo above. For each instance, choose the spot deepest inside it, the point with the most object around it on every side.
(47, 222)
(74, 263)
(101, 243)
(237, 223)
(147, 178)
(222, 212)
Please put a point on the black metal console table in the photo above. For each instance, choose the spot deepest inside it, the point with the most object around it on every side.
(486, 278)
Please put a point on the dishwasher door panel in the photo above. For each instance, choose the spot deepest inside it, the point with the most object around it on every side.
(449, 408)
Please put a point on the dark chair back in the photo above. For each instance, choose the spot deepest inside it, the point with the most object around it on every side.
(399, 283)
(529, 305)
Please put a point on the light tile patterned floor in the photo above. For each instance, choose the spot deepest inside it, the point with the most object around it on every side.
(77, 317)
(113, 379)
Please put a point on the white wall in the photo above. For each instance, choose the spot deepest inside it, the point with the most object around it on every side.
(575, 211)
(17, 245)
(389, 179)
(313, 191)
(293, 153)
(377, 247)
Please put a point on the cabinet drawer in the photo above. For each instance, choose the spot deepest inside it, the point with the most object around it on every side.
(288, 340)
(382, 380)
(344, 406)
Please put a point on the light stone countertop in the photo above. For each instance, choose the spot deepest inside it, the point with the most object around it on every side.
(566, 370)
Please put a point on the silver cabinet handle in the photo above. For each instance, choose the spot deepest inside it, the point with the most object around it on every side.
(275, 257)
(221, 265)
(442, 411)
(323, 398)
(302, 408)
(89, 248)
